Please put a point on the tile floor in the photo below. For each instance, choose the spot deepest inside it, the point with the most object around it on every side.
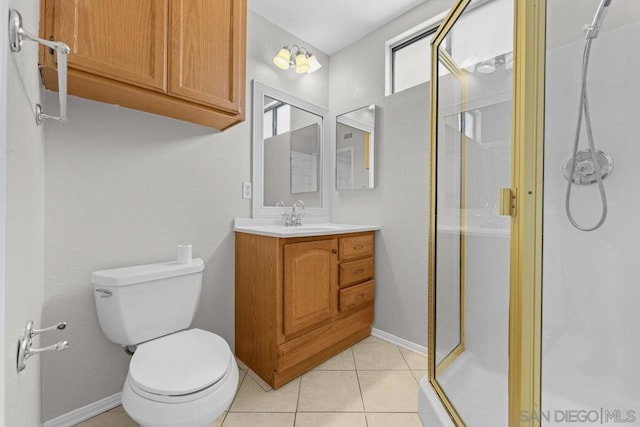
(372, 384)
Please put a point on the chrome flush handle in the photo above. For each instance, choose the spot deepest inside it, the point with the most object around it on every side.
(105, 293)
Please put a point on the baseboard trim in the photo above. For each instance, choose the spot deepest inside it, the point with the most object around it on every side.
(82, 414)
(398, 341)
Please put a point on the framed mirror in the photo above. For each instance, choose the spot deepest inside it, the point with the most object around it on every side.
(289, 153)
(355, 141)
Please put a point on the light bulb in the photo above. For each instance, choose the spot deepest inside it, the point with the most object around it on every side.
(486, 67)
(302, 63)
(283, 59)
(314, 65)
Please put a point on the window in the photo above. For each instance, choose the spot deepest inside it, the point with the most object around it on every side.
(277, 119)
(408, 56)
(411, 61)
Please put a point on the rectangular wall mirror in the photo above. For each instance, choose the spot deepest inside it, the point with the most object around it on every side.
(355, 141)
(289, 154)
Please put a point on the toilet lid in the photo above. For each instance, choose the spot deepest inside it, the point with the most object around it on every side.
(180, 363)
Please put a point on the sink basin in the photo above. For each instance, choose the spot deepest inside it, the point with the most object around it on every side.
(304, 230)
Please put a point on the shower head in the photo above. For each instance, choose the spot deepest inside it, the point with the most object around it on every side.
(591, 31)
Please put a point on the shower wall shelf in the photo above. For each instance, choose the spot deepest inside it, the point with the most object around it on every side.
(17, 34)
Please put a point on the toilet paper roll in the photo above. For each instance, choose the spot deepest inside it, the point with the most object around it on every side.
(184, 254)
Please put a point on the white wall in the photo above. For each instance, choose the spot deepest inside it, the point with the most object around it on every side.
(24, 221)
(3, 193)
(123, 188)
(591, 287)
(399, 203)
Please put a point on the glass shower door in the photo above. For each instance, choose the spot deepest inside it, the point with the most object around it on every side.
(470, 229)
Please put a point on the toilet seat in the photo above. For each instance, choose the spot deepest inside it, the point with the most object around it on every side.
(180, 367)
(200, 412)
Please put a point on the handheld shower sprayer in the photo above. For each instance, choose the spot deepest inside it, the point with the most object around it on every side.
(594, 165)
(591, 31)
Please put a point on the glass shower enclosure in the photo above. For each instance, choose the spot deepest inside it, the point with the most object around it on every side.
(532, 321)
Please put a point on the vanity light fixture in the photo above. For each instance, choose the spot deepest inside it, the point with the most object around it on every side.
(486, 67)
(298, 57)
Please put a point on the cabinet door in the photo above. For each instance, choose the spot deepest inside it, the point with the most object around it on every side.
(122, 40)
(310, 283)
(207, 52)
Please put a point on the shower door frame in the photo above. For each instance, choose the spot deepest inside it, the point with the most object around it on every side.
(450, 357)
(525, 288)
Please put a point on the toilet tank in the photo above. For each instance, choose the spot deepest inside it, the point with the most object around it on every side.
(143, 302)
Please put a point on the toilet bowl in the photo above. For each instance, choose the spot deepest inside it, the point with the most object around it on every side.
(187, 378)
(178, 377)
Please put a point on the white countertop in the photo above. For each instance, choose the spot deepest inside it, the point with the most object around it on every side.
(305, 230)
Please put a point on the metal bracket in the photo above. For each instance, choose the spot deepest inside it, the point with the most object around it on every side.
(508, 199)
(17, 34)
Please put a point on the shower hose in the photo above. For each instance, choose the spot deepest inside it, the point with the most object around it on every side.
(584, 109)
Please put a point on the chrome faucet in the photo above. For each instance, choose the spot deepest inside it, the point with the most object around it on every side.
(284, 214)
(296, 216)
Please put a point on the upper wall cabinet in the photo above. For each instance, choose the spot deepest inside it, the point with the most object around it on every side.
(178, 58)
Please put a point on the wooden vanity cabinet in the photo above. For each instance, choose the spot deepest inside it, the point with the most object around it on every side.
(178, 58)
(299, 301)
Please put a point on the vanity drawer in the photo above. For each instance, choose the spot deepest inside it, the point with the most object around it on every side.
(356, 271)
(356, 295)
(356, 247)
(296, 351)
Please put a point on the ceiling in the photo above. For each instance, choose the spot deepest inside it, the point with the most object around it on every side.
(331, 25)
(565, 21)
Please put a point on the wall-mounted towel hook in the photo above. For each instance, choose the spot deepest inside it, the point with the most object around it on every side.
(25, 349)
(17, 34)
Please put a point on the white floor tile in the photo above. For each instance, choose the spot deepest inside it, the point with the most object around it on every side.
(244, 419)
(393, 420)
(340, 362)
(419, 375)
(110, 419)
(378, 356)
(389, 391)
(415, 360)
(330, 391)
(252, 398)
(330, 419)
(371, 339)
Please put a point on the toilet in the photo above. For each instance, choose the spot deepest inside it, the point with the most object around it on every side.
(177, 376)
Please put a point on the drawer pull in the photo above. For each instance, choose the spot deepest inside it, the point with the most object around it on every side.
(359, 271)
(360, 296)
(358, 247)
